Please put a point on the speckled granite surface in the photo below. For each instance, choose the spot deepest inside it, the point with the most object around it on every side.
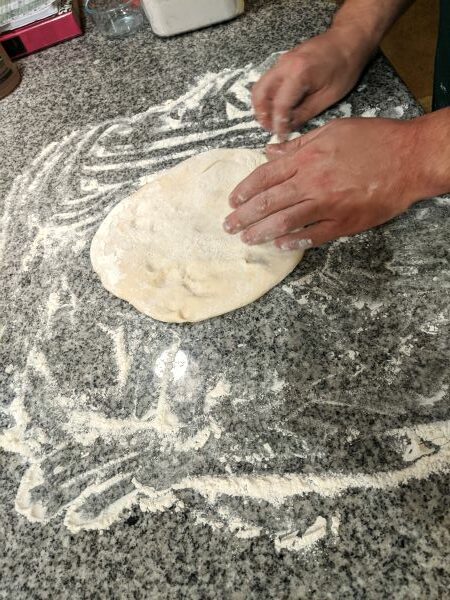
(208, 450)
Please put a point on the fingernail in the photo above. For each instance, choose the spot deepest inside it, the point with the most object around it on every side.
(246, 239)
(227, 226)
(296, 245)
(230, 228)
(237, 200)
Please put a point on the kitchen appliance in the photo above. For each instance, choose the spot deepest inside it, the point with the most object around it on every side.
(169, 17)
(31, 37)
(15, 13)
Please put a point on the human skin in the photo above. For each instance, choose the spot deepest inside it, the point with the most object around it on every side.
(351, 174)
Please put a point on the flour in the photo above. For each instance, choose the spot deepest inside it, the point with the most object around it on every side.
(53, 304)
(122, 358)
(163, 418)
(88, 447)
(346, 109)
(268, 450)
(277, 384)
(294, 542)
(274, 489)
(370, 113)
(414, 448)
(74, 521)
(334, 524)
(13, 439)
(34, 511)
(435, 398)
(219, 391)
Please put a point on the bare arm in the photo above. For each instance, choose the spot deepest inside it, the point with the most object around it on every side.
(352, 174)
(433, 151)
(368, 20)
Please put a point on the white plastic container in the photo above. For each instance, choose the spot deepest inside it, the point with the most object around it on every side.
(169, 17)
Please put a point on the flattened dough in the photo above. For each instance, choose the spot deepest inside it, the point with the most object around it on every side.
(163, 249)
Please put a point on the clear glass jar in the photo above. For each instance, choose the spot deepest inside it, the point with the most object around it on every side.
(115, 18)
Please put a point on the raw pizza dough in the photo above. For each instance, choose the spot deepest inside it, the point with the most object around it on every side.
(164, 250)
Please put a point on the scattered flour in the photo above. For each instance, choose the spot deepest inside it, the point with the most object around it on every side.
(120, 352)
(277, 384)
(220, 390)
(294, 542)
(425, 449)
(335, 523)
(435, 398)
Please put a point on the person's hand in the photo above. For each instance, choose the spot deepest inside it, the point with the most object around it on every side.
(307, 80)
(338, 180)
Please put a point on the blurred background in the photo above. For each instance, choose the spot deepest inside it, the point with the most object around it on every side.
(27, 26)
(410, 47)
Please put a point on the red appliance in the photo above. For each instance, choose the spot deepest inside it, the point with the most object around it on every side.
(64, 25)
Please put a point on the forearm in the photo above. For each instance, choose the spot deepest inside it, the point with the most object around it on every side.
(431, 153)
(361, 24)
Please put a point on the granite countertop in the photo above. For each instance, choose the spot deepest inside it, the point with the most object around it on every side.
(295, 448)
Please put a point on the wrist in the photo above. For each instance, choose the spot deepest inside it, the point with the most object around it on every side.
(365, 22)
(358, 43)
(431, 151)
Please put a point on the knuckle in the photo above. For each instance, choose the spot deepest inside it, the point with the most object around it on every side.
(299, 60)
(264, 204)
(281, 103)
(262, 174)
(281, 112)
(302, 67)
(284, 223)
(291, 187)
(308, 156)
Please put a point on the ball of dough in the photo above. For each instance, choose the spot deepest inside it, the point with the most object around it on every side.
(164, 250)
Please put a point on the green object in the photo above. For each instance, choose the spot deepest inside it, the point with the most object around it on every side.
(441, 91)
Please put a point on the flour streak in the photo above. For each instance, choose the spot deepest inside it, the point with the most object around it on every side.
(98, 448)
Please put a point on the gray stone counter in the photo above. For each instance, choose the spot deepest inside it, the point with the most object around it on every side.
(295, 448)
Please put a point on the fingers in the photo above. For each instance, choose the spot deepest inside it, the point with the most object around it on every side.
(275, 101)
(262, 95)
(262, 178)
(288, 95)
(282, 223)
(262, 205)
(309, 108)
(279, 92)
(315, 235)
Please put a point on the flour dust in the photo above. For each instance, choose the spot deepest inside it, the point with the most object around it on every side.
(111, 410)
